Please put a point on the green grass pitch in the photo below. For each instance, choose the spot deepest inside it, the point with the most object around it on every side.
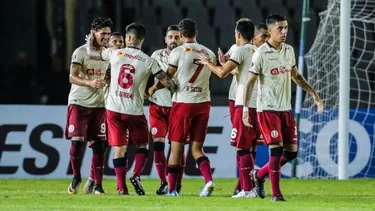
(40, 194)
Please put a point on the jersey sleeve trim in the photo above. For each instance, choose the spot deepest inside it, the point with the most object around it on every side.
(158, 72)
(174, 66)
(77, 63)
(294, 66)
(253, 72)
(234, 61)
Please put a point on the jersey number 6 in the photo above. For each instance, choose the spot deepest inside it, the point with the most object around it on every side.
(125, 78)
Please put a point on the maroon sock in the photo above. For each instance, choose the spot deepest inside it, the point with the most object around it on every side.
(246, 164)
(263, 172)
(238, 186)
(173, 171)
(182, 169)
(76, 156)
(92, 173)
(275, 173)
(120, 170)
(98, 167)
(140, 159)
(160, 164)
(205, 168)
(283, 161)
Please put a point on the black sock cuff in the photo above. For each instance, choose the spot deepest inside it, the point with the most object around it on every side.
(201, 159)
(142, 151)
(98, 147)
(119, 162)
(242, 152)
(254, 154)
(159, 146)
(173, 169)
(277, 151)
(78, 143)
(290, 155)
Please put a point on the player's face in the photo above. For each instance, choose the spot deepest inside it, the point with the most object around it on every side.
(172, 39)
(116, 41)
(278, 31)
(102, 36)
(260, 37)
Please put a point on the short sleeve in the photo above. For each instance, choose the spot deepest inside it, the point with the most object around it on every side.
(153, 65)
(154, 55)
(78, 56)
(174, 57)
(237, 56)
(293, 59)
(106, 53)
(213, 58)
(231, 49)
(256, 63)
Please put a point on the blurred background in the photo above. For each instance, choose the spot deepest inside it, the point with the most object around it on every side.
(40, 36)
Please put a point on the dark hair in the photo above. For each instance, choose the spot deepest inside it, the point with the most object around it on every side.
(261, 26)
(116, 34)
(101, 22)
(173, 28)
(272, 19)
(137, 29)
(187, 27)
(246, 28)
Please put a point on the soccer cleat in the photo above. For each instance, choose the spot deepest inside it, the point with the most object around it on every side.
(207, 189)
(122, 192)
(178, 189)
(88, 188)
(173, 193)
(235, 192)
(246, 194)
(99, 190)
(163, 189)
(74, 185)
(138, 187)
(259, 185)
(278, 198)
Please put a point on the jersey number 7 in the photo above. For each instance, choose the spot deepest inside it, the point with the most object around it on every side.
(197, 71)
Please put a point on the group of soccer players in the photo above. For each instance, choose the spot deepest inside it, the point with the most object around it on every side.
(110, 83)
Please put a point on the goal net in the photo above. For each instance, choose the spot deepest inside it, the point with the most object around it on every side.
(318, 151)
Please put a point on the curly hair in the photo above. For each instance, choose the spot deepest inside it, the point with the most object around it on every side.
(101, 22)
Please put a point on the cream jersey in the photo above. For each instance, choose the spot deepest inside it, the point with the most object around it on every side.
(192, 78)
(242, 56)
(130, 69)
(90, 69)
(162, 97)
(233, 85)
(274, 78)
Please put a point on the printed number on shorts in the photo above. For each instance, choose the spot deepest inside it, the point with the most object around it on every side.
(102, 128)
(197, 71)
(233, 135)
(125, 77)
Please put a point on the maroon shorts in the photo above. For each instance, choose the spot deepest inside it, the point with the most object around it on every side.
(231, 109)
(189, 121)
(87, 122)
(159, 117)
(243, 137)
(124, 129)
(278, 126)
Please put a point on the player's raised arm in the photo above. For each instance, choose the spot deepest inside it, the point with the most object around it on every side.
(301, 82)
(164, 79)
(220, 71)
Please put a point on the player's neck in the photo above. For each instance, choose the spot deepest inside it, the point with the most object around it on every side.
(243, 42)
(134, 46)
(275, 45)
(190, 40)
(96, 45)
(168, 51)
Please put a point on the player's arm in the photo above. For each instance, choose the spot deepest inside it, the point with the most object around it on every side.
(221, 71)
(301, 82)
(166, 80)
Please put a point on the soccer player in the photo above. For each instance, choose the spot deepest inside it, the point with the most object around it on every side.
(131, 68)
(116, 40)
(160, 107)
(275, 65)
(242, 137)
(191, 105)
(86, 112)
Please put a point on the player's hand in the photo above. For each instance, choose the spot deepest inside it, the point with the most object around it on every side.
(245, 119)
(203, 60)
(151, 91)
(145, 95)
(221, 57)
(319, 104)
(235, 72)
(97, 83)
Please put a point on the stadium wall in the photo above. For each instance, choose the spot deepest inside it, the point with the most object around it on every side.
(32, 145)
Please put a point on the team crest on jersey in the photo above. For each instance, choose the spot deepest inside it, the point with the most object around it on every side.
(187, 49)
(71, 128)
(154, 130)
(274, 134)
